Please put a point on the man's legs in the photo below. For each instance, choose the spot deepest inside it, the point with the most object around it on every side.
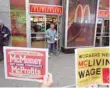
(51, 47)
(4, 43)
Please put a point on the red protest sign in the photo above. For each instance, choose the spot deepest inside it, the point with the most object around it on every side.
(25, 63)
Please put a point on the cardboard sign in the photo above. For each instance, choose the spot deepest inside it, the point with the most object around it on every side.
(46, 9)
(92, 66)
(28, 64)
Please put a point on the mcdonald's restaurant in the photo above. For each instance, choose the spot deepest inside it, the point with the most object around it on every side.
(79, 23)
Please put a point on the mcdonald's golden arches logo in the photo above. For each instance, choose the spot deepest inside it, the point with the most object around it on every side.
(83, 12)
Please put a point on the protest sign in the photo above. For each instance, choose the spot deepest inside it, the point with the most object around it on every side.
(28, 64)
(92, 66)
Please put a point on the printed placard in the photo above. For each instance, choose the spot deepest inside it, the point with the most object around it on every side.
(29, 64)
(92, 66)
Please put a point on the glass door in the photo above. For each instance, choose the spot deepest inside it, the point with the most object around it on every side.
(106, 33)
(103, 33)
(99, 35)
(38, 28)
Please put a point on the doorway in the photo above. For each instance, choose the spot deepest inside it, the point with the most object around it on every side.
(103, 33)
(39, 25)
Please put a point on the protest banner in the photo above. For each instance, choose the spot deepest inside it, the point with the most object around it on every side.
(92, 66)
(28, 64)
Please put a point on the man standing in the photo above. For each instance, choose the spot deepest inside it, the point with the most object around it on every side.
(4, 38)
(50, 36)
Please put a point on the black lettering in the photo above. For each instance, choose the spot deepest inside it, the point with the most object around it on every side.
(80, 56)
(87, 73)
(81, 74)
(105, 54)
(94, 61)
(98, 71)
(108, 54)
(96, 55)
(98, 62)
(107, 62)
(92, 71)
(103, 61)
(89, 63)
(89, 55)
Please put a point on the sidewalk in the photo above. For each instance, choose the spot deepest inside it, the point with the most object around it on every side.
(62, 68)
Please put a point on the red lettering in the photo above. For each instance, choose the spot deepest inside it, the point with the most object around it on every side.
(46, 9)
(83, 63)
(104, 13)
(80, 63)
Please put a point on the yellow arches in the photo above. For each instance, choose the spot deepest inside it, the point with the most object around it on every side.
(83, 11)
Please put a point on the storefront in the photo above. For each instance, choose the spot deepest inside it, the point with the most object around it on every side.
(40, 18)
(76, 20)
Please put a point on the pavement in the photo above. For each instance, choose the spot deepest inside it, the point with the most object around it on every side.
(62, 68)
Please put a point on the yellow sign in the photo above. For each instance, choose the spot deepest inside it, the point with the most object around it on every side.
(93, 66)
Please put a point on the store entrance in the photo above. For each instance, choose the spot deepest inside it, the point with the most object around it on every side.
(103, 33)
(39, 25)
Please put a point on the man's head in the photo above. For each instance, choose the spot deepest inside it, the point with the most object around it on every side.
(1, 24)
(52, 25)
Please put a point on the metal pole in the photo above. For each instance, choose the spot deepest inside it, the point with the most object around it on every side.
(101, 36)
